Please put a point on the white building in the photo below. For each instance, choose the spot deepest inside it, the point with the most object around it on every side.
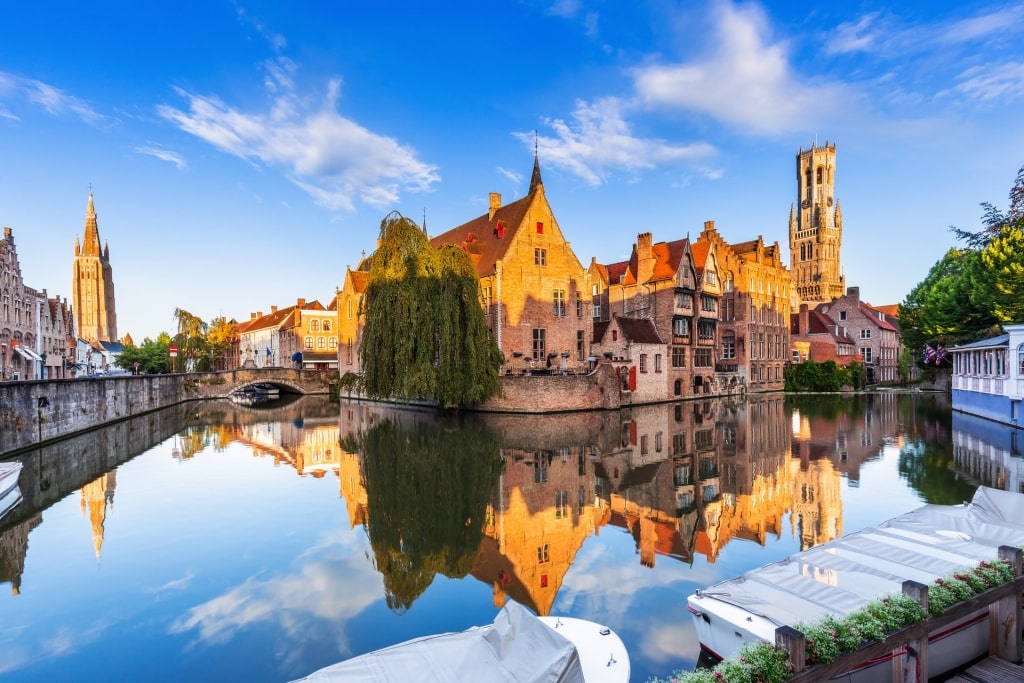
(988, 377)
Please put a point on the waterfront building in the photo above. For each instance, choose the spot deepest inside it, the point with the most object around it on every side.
(754, 311)
(352, 317)
(535, 293)
(877, 338)
(36, 331)
(664, 284)
(273, 340)
(93, 284)
(988, 377)
(814, 337)
(816, 228)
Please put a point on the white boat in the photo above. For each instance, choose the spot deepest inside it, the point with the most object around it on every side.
(518, 647)
(10, 494)
(840, 577)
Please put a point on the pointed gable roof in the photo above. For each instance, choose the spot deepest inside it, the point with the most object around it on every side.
(487, 238)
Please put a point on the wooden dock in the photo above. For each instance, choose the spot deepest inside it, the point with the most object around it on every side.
(991, 670)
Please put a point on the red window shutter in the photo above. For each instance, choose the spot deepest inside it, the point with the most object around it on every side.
(632, 378)
(632, 432)
(540, 227)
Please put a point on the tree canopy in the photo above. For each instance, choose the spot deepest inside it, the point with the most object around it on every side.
(425, 336)
(972, 289)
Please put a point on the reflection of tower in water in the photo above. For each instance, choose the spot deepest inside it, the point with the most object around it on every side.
(96, 497)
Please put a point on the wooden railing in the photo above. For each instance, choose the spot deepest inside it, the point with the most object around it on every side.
(1005, 637)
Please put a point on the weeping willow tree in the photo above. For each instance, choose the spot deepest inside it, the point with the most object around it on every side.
(427, 490)
(425, 336)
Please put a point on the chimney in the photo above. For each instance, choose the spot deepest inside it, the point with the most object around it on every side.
(805, 321)
(644, 257)
(853, 292)
(300, 303)
(273, 309)
(495, 204)
(253, 316)
(709, 226)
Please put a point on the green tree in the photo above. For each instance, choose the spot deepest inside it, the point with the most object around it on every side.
(1004, 260)
(425, 335)
(152, 356)
(219, 335)
(191, 342)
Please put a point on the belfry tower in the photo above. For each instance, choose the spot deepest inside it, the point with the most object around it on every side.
(816, 231)
(93, 285)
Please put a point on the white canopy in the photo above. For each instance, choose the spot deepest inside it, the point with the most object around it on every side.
(517, 648)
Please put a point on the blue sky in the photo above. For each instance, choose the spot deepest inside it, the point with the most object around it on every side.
(241, 154)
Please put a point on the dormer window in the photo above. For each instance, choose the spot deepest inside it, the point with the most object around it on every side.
(499, 230)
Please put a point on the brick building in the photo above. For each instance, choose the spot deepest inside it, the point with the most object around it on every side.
(877, 338)
(534, 291)
(755, 308)
(813, 336)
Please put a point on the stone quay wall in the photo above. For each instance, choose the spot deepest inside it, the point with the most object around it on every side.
(37, 412)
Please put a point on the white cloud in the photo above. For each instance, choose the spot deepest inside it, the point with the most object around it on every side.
(336, 160)
(163, 154)
(1005, 21)
(50, 98)
(746, 81)
(599, 141)
(856, 36)
(516, 178)
(1004, 82)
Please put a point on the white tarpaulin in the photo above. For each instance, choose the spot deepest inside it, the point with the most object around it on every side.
(517, 648)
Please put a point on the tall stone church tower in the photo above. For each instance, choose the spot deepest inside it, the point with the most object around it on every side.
(93, 285)
(816, 231)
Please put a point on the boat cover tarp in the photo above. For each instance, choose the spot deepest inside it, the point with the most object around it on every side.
(841, 576)
(517, 648)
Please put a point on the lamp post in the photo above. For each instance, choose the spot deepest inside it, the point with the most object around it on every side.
(3, 366)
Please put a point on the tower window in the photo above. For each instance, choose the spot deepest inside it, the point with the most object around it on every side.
(821, 175)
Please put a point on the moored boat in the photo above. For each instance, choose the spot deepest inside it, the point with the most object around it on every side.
(518, 647)
(840, 577)
(10, 494)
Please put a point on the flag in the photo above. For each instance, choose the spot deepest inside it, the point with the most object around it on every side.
(940, 354)
(929, 353)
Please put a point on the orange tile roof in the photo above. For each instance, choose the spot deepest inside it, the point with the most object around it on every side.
(480, 236)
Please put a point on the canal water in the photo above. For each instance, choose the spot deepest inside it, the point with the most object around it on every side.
(216, 541)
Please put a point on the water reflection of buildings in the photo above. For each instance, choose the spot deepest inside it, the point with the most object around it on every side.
(96, 500)
(987, 453)
(683, 479)
(310, 445)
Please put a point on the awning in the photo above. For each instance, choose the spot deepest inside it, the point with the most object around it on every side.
(27, 353)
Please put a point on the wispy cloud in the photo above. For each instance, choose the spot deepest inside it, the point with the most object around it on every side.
(1007, 21)
(1004, 82)
(163, 155)
(853, 36)
(598, 141)
(746, 81)
(516, 178)
(334, 159)
(50, 98)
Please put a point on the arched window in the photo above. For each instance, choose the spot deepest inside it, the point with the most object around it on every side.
(314, 325)
(821, 175)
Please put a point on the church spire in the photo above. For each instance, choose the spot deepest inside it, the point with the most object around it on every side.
(91, 247)
(535, 180)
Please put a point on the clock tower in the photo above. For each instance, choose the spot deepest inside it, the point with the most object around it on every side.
(816, 228)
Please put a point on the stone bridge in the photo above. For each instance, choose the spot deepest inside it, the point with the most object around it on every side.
(288, 380)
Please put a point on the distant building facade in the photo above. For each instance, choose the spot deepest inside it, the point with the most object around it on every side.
(93, 284)
(36, 331)
(877, 338)
(755, 309)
